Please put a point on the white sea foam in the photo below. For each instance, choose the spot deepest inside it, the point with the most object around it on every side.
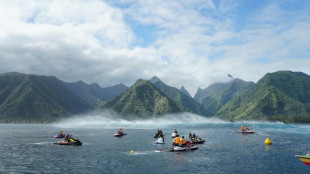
(109, 120)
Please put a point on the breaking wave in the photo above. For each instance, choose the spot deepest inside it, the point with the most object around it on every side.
(110, 120)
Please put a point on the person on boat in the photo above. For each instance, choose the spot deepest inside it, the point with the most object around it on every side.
(121, 131)
(67, 138)
(182, 141)
(190, 136)
(61, 133)
(175, 131)
(193, 137)
(176, 141)
(244, 129)
(161, 134)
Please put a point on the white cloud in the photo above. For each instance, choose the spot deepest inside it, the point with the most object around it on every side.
(195, 43)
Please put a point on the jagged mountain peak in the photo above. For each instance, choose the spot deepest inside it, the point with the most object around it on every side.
(154, 79)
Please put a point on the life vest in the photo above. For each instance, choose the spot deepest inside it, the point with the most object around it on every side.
(121, 131)
(177, 140)
(181, 141)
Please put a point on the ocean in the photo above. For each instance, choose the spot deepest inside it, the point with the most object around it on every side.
(29, 148)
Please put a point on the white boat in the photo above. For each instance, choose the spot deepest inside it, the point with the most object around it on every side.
(173, 135)
(160, 140)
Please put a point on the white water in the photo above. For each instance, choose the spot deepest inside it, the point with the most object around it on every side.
(108, 120)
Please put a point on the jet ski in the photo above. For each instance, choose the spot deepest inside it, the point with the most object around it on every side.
(246, 132)
(117, 134)
(160, 140)
(178, 149)
(72, 142)
(198, 140)
(59, 136)
(173, 135)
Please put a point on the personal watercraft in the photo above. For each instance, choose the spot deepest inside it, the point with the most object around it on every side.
(117, 134)
(160, 140)
(178, 148)
(71, 141)
(247, 132)
(173, 135)
(198, 140)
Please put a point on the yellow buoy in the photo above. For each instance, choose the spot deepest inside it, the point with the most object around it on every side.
(268, 141)
(132, 151)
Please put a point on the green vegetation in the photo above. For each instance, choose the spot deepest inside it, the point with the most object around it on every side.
(93, 94)
(225, 93)
(31, 98)
(179, 97)
(283, 96)
(280, 96)
(143, 99)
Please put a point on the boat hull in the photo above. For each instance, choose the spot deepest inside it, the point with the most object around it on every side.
(305, 159)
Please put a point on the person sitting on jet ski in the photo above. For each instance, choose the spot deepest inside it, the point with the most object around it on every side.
(244, 129)
(193, 137)
(121, 131)
(176, 141)
(182, 141)
(161, 134)
(67, 137)
(61, 133)
(175, 131)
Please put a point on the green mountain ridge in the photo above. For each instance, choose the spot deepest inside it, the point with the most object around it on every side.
(210, 90)
(143, 100)
(32, 98)
(224, 94)
(179, 97)
(283, 96)
(94, 94)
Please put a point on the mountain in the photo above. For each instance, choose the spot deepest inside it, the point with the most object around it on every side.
(184, 91)
(210, 90)
(178, 96)
(283, 95)
(94, 94)
(33, 98)
(143, 100)
(225, 93)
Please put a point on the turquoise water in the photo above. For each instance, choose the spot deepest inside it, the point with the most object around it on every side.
(30, 149)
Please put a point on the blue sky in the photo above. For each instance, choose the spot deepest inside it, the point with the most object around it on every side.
(193, 43)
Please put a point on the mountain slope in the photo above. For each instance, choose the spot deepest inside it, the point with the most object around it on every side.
(94, 94)
(283, 95)
(227, 92)
(32, 98)
(177, 96)
(210, 90)
(143, 99)
(184, 91)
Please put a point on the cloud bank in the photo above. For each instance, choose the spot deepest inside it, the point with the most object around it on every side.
(190, 43)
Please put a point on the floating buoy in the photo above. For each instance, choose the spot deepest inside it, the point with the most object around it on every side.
(132, 151)
(268, 141)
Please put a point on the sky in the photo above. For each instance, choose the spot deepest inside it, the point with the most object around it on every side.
(190, 43)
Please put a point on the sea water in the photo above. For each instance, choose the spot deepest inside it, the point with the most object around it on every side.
(29, 148)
